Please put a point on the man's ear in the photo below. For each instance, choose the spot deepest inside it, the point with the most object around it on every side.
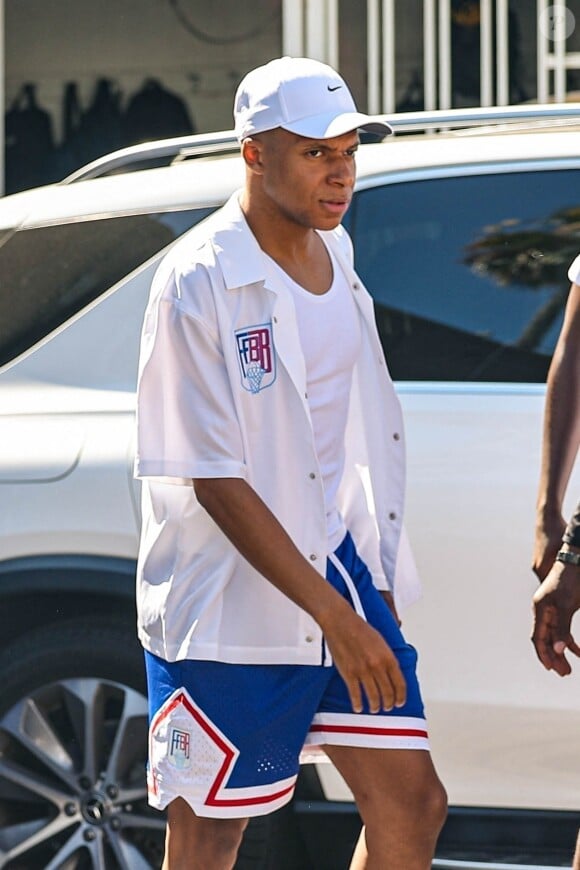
(252, 154)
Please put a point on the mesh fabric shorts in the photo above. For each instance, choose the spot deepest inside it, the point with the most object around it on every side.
(228, 737)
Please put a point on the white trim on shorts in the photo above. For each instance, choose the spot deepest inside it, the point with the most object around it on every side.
(355, 597)
(180, 730)
(370, 731)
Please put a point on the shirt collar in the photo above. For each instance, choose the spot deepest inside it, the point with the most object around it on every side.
(236, 248)
(238, 253)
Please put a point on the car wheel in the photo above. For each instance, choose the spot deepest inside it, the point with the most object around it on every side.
(73, 749)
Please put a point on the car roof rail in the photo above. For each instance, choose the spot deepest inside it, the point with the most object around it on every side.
(449, 119)
(167, 151)
(159, 153)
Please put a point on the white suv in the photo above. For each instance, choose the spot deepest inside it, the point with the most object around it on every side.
(464, 238)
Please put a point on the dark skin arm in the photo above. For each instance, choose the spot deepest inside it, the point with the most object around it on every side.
(365, 661)
(555, 603)
(560, 439)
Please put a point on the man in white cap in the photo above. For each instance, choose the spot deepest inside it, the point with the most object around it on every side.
(271, 450)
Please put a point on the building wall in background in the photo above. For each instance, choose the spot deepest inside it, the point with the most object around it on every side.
(105, 73)
(84, 77)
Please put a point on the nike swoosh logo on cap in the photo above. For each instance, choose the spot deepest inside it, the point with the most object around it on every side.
(333, 89)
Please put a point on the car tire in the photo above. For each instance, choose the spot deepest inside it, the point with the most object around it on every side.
(73, 747)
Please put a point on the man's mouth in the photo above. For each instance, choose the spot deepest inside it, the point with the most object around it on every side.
(336, 205)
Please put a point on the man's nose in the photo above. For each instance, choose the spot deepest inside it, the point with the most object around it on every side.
(342, 172)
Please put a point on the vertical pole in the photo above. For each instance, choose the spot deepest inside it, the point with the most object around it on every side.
(293, 28)
(560, 50)
(316, 29)
(444, 54)
(486, 53)
(542, 70)
(373, 57)
(429, 55)
(389, 65)
(333, 54)
(503, 63)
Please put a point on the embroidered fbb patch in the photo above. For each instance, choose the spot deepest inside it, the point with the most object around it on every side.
(256, 355)
(180, 748)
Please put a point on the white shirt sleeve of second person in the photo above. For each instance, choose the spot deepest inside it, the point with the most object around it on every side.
(187, 426)
(574, 271)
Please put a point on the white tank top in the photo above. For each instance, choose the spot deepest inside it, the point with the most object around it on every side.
(329, 330)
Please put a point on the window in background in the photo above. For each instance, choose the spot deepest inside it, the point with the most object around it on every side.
(469, 273)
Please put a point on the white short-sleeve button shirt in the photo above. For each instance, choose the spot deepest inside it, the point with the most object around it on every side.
(222, 393)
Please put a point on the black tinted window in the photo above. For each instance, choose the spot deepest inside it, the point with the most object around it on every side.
(49, 273)
(469, 274)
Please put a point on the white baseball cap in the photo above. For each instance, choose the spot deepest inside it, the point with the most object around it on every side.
(303, 96)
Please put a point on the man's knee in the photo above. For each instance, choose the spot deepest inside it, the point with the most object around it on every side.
(223, 835)
(433, 804)
(421, 801)
(426, 801)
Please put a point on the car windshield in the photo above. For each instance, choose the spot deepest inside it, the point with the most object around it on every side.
(49, 273)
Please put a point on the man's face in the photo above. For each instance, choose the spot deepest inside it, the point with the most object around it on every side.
(308, 181)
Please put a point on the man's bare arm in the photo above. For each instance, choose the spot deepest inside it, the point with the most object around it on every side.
(561, 437)
(364, 660)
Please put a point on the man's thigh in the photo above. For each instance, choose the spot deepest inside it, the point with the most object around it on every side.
(401, 802)
(390, 778)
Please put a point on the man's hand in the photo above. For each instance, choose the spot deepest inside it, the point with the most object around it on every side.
(555, 602)
(365, 661)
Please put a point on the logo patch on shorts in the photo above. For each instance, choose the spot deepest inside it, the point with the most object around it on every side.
(180, 748)
(257, 357)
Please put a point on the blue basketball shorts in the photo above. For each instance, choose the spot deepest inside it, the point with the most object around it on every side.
(229, 738)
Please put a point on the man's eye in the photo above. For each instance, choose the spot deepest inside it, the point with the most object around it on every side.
(315, 152)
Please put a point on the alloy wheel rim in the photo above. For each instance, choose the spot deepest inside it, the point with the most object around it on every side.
(72, 780)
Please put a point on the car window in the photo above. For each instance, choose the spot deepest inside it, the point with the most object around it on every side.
(469, 273)
(49, 273)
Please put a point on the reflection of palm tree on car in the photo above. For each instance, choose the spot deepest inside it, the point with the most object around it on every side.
(535, 256)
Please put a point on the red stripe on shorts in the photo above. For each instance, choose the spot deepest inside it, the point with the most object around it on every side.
(363, 729)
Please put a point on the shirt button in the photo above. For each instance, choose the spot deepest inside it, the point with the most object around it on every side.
(311, 475)
(275, 319)
(356, 286)
(309, 638)
(392, 515)
(313, 557)
(396, 436)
